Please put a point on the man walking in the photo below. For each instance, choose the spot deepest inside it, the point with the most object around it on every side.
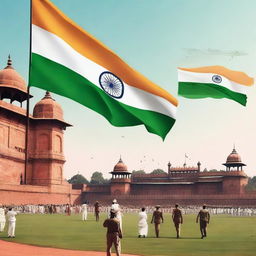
(97, 210)
(116, 207)
(11, 222)
(204, 218)
(143, 225)
(157, 218)
(114, 233)
(177, 219)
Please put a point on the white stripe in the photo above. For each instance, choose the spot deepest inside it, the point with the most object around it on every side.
(54, 48)
(194, 77)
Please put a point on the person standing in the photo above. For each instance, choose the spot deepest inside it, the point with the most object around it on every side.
(84, 211)
(2, 218)
(157, 218)
(11, 216)
(115, 207)
(114, 233)
(204, 218)
(143, 225)
(177, 219)
(97, 210)
(68, 210)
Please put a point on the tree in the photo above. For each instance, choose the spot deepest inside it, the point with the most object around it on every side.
(205, 170)
(251, 184)
(138, 172)
(213, 170)
(158, 171)
(97, 178)
(78, 179)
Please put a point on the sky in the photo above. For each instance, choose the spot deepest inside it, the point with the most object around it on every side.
(154, 37)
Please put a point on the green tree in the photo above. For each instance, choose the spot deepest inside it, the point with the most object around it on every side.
(158, 171)
(138, 172)
(97, 178)
(78, 179)
(251, 184)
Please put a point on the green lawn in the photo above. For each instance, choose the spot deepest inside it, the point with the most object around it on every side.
(227, 236)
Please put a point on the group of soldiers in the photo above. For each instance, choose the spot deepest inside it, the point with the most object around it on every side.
(203, 218)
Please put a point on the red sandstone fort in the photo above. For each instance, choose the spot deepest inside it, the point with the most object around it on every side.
(39, 180)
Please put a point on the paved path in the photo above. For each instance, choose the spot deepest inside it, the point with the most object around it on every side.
(15, 249)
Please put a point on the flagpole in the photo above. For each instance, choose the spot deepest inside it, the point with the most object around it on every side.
(28, 97)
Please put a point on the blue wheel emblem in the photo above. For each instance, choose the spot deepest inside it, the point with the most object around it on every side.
(111, 84)
(216, 79)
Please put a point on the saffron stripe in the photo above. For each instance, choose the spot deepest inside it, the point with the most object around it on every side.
(50, 18)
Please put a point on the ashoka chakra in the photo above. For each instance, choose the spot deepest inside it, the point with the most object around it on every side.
(111, 84)
(216, 79)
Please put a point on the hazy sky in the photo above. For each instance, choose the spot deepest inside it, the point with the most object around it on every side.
(155, 37)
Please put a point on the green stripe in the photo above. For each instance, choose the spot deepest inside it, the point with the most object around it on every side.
(51, 76)
(205, 90)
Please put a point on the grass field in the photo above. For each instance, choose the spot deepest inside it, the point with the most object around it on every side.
(227, 236)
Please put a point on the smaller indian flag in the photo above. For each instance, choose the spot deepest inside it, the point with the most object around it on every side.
(214, 82)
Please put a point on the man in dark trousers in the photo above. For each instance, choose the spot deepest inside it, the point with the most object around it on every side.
(114, 233)
(97, 210)
(157, 218)
(204, 218)
(177, 219)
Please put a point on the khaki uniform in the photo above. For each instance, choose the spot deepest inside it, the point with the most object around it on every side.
(97, 211)
(157, 218)
(177, 220)
(204, 218)
(113, 235)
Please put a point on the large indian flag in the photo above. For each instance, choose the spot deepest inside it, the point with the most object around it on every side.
(67, 60)
(215, 82)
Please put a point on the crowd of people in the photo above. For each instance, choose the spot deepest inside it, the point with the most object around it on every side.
(113, 214)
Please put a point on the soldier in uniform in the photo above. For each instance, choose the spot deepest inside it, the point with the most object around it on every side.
(177, 219)
(97, 210)
(114, 233)
(157, 218)
(204, 218)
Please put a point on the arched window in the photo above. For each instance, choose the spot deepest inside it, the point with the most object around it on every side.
(58, 144)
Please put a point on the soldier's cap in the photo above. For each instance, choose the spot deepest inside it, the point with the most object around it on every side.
(114, 201)
(158, 206)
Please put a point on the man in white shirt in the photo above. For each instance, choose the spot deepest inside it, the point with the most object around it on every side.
(84, 211)
(2, 218)
(143, 225)
(11, 222)
(116, 207)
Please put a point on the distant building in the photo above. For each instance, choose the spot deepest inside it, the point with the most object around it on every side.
(178, 183)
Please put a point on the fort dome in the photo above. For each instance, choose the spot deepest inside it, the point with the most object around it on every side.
(47, 107)
(10, 78)
(120, 166)
(234, 157)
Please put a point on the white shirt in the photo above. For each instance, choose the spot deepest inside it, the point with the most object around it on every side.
(2, 215)
(84, 207)
(11, 215)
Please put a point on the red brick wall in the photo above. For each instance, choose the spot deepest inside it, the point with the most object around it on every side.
(26, 194)
(120, 188)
